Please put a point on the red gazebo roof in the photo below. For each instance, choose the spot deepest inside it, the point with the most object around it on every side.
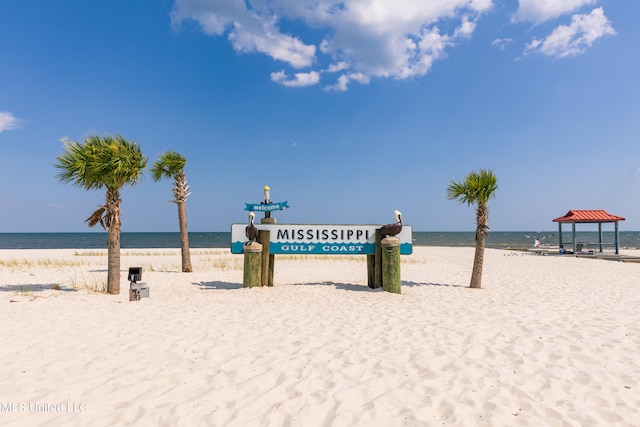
(593, 216)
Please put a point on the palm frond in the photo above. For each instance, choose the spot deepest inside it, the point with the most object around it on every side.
(98, 217)
(168, 165)
(477, 187)
(101, 162)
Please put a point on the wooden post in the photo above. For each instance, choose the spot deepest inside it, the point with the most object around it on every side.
(271, 265)
(377, 273)
(133, 296)
(371, 270)
(391, 264)
(268, 259)
(252, 265)
(264, 237)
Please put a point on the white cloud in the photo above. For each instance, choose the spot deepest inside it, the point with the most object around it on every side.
(334, 68)
(544, 10)
(249, 31)
(265, 38)
(343, 81)
(573, 39)
(360, 39)
(297, 80)
(466, 28)
(214, 17)
(8, 121)
(502, 43)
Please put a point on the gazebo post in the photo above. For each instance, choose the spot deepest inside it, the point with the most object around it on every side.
(600, 236)
(560, 233)
(573, 231)
(617, 238)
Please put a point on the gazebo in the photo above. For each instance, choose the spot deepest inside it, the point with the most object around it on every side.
(589, 217)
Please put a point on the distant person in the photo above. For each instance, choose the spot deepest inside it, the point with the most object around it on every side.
(564, 251)
(536, 242)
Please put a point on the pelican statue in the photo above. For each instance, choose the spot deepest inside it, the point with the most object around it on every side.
(251, 231)
(267, 196)
(267, 200)
(392, 229)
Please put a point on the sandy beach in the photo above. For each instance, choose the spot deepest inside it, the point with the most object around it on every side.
(549, 340)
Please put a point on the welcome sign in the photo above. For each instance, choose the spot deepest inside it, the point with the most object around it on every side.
(266, 207)
(320, 239)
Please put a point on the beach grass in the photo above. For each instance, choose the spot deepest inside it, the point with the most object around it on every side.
(164, 260)
(94, 283)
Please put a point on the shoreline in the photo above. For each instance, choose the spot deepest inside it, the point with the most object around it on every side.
(549, 340)
(197, 240)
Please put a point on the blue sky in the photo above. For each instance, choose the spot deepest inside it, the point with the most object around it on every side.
(346, 109)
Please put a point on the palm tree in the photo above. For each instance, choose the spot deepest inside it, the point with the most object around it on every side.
(110, 163)
(171, 165)
(476, 189)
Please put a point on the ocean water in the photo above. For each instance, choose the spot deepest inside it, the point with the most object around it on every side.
(495, 239)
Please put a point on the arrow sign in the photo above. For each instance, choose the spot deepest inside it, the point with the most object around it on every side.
(266, 207)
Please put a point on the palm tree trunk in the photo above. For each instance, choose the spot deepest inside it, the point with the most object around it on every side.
(482, 221)
(113, 241)
(184, 237)
(478, 261)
